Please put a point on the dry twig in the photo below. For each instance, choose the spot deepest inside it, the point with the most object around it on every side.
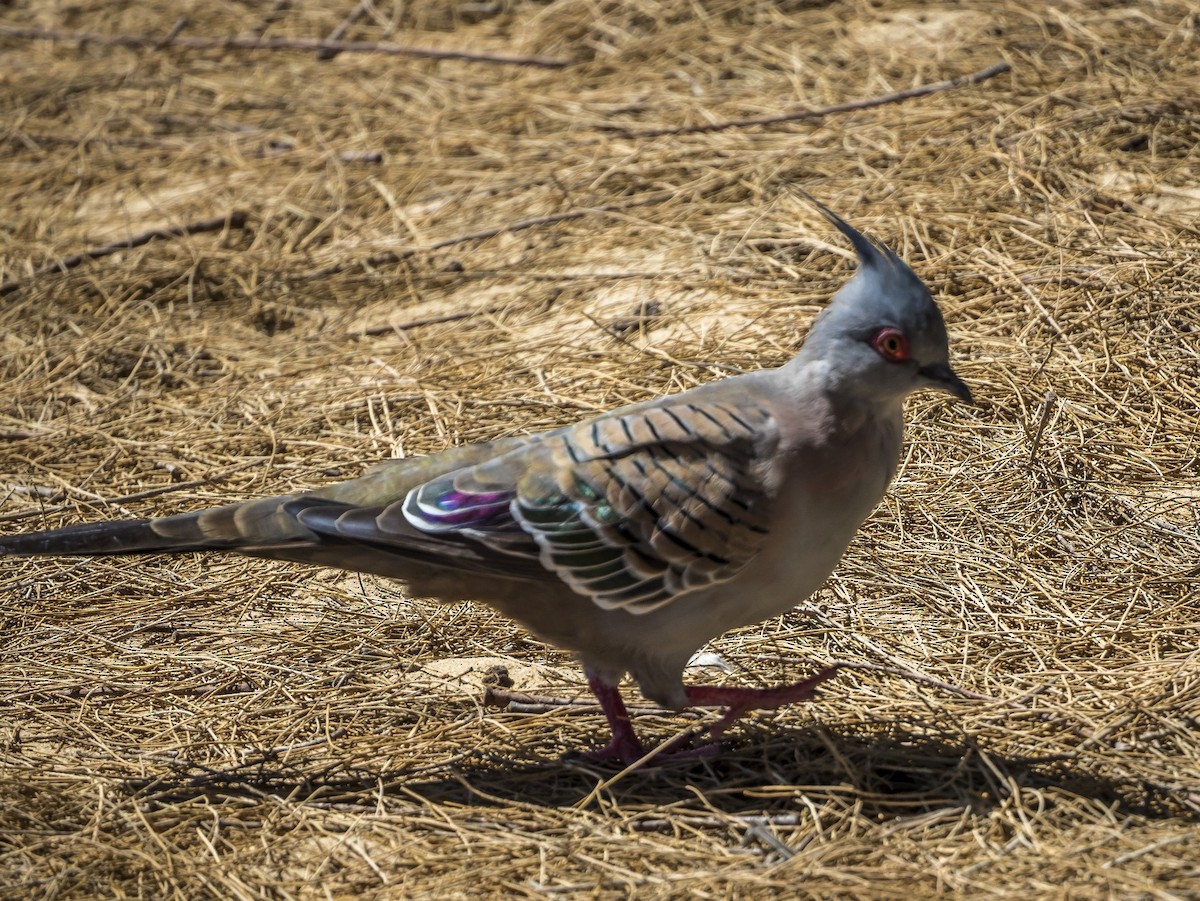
(343, 27)
(423, 321)
(233, 220)
(397, 256)
(799, 115)
(302, 45)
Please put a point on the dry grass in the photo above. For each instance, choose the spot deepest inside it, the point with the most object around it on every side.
(203, 727)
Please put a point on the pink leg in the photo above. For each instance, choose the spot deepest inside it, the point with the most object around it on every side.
(742, 700)
(626, 747)
(624, 743)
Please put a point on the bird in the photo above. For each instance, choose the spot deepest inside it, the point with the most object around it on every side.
(635, 537)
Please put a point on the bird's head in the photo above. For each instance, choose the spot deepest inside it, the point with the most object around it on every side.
(882, 334)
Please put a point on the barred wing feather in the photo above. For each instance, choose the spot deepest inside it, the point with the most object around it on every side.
(631, 510)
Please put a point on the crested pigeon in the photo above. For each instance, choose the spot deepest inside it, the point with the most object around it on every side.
(635, 537)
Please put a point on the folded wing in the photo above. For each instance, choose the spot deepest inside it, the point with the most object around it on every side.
(631, 510)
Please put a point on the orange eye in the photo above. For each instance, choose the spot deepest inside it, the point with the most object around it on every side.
(891, 344)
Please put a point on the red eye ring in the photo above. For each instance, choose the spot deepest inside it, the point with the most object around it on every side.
(891, 344)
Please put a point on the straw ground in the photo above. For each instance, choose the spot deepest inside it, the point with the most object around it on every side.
(229, 271)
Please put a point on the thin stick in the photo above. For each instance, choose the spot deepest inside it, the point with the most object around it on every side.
(427, 320)
(235, 219)
(658, 824)
(175, 31)
(137, 495)
(74, 692)
(270, 18)
(398, 256)
(849, 106)
(519, 702)
(296, 746)
(1047, 409)
(494, 696)
(914, 676)
(302, 45)
(340, 32)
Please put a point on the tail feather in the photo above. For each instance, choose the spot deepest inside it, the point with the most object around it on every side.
(266, 527)
(130, 536)
(233, 526)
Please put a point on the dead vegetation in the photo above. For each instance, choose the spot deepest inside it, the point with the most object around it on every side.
(419, 252)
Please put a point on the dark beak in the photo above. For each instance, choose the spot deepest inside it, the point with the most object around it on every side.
(944, 377)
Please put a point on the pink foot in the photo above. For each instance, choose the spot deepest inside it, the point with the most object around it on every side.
(741, 701)
(624, 744)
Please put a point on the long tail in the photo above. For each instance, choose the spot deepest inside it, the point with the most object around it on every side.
(302, 528)
(122, 537)
(231, 527)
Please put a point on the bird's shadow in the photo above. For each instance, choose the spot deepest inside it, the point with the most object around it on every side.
(895, 772)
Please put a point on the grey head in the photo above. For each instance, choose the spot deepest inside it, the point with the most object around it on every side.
(882, 335)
